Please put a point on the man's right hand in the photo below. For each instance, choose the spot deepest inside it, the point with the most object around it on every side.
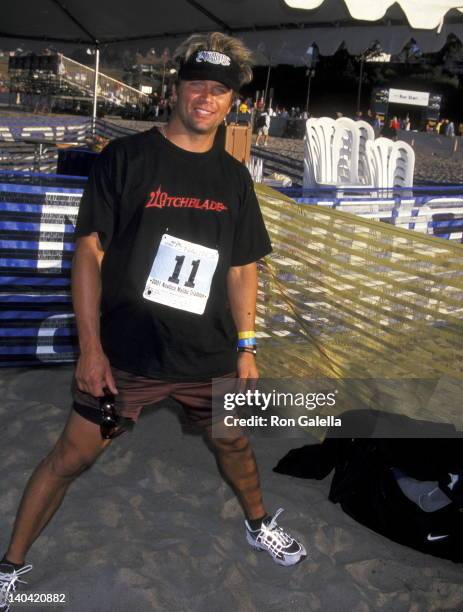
(93, 373)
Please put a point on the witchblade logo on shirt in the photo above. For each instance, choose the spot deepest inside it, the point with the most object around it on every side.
(161, 199)
(213, 57)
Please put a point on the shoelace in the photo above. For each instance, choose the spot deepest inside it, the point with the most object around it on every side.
(274, 538)
(8, 582)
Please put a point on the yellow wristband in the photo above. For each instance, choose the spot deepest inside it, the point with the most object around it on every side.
(246, 334)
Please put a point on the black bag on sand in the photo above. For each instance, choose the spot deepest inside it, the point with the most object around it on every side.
(314, 461)
(365, 485)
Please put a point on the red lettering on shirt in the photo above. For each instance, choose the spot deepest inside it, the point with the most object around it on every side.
(162, 199)
(154, 197)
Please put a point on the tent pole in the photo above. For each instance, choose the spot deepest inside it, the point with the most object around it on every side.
(359, 92)
(311, 74)
(266, 85)
(95, 89)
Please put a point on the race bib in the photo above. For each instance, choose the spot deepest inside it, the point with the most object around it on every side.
(181, 275)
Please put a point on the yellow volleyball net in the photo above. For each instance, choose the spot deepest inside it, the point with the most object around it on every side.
(349, 298)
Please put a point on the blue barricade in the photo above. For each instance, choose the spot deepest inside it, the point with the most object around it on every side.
(37, 224)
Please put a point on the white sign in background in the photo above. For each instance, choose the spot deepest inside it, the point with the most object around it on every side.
(404, 96)
(59, 209)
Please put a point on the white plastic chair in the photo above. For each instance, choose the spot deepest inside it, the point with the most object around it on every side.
(401, 165)
(366, 132)
(391, 164)
(346, 145)
(318, 152)
(378, 152)
(256, 168)
(331, 152)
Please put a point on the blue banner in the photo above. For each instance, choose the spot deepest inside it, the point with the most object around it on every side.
(67, 129)
(36, 245)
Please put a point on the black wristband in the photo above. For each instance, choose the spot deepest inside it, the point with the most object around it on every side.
(247, 349)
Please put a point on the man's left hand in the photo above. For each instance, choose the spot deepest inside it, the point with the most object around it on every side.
(246, 366)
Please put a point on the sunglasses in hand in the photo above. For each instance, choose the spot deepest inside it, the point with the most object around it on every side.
(110, 424)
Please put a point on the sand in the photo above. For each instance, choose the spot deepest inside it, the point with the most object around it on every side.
(151, 526)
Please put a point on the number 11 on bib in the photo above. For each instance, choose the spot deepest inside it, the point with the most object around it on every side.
(181, 275)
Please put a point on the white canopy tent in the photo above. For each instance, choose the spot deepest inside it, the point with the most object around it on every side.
(426, 14)
(280, 31)
(283, 28)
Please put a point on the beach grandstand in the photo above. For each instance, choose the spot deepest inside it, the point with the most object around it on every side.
(54, 81)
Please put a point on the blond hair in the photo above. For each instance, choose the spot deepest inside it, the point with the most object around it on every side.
(216, 41)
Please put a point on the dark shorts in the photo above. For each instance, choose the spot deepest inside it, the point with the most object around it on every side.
(136, 391)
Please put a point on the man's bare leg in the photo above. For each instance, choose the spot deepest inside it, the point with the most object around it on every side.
(237, 464)
(76, 449)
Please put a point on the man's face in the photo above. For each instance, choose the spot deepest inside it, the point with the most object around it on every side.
(203, 105)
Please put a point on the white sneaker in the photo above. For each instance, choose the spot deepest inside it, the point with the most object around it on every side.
(283, 548)
(8, 579)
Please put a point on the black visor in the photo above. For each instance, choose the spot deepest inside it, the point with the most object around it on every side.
(211, 66)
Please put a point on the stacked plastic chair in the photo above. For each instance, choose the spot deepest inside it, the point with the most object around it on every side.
(391, 164)
(344, 154)
(335, 153)
(331, 152)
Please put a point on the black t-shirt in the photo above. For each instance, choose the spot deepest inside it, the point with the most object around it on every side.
(171, 223)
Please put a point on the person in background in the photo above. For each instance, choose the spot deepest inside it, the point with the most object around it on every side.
(244, 108)
(395, 124)
(263, 126)
(370, 117)
(154, 101)
(388, 130)
(244, 116)
(450, 129)
(162, 109)
(261, 105)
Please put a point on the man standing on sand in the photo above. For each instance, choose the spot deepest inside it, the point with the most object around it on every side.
(168, 235)
(263, 126)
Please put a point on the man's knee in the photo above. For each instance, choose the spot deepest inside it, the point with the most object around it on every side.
(67, 460)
